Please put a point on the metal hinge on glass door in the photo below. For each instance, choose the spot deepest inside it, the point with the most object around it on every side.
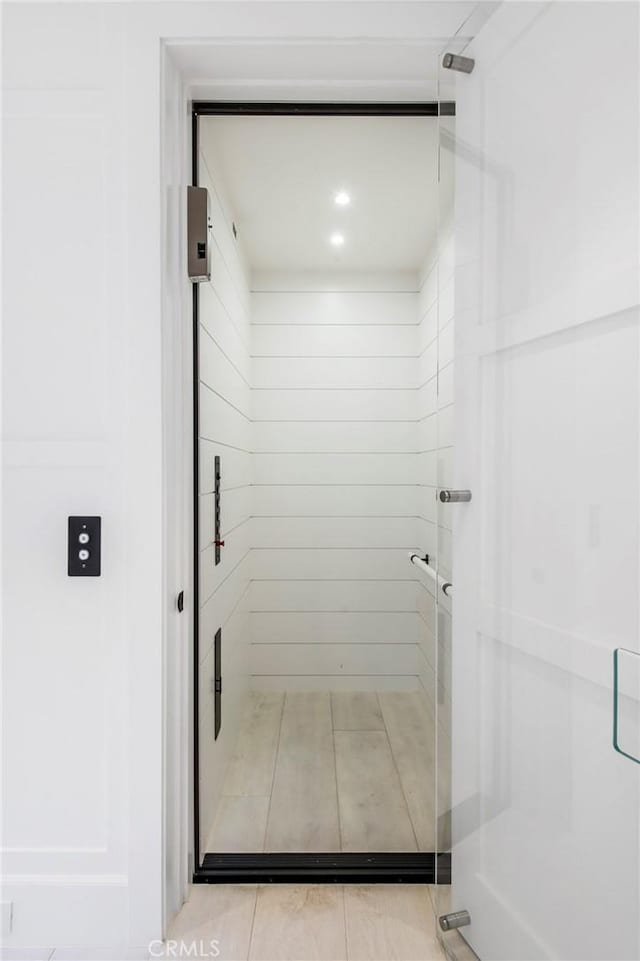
(455, 497)
(454, 61)
(457, 919)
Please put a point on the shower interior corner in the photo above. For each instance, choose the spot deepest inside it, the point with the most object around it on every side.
(325, 357)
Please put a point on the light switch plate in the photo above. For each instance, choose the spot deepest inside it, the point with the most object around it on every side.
(83, 547)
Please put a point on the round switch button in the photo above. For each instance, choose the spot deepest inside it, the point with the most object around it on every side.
(83, 555)
(83, 538)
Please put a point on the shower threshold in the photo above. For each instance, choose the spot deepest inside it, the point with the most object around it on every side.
(339, 868)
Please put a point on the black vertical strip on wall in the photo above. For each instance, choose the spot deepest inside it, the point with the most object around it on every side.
(196, 523)
(217, 521)
(217, 660)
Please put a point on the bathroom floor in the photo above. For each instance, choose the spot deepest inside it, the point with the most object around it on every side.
(307, 923)
(321, 771)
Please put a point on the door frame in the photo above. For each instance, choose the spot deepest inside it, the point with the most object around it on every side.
(426, 867)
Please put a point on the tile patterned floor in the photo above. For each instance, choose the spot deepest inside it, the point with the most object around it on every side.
(320, 771)
(283, 922)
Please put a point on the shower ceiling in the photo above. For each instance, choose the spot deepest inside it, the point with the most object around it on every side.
(282, 175)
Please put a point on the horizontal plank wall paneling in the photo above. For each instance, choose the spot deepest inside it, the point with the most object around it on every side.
(332, 595)
(341, 659)
(397, 437)
(326, 628)
(353, 373)
(355, 340)
(335, 469)
(333, 404)
(225, 431)
(435, 461)
(329, 564)
(333, 532)
(335, 500)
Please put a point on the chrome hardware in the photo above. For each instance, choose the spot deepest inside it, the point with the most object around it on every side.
(457, 919)
(453, 61)
(454, 497)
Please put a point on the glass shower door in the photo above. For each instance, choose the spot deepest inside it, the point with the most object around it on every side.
(541, 666)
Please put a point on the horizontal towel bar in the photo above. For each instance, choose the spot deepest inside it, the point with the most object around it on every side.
(423, 564)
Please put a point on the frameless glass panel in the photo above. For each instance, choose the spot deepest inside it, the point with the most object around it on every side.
(543, 809)
(316, 665)
(449, 495)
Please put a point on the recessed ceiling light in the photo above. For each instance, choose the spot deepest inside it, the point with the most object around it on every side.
(342, 198)
(336, 239)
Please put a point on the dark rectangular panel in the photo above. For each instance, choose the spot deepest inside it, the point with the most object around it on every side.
(217, 522)
(217, 657)
(83, 547)
(339, 868)
(198, 248)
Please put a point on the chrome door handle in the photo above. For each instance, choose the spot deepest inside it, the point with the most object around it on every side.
(451, 497)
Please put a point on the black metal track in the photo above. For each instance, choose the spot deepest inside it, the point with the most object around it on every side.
(196, 522)
(251, 108)
(340, 868)
(406, 868)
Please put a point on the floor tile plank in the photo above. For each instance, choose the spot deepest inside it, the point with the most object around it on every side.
(303, 815)
(356, 711)
(299, 923)
(240, 825)
(412, 738)
(373, 811)
(251, 768)
(222, 913)
(390, 922)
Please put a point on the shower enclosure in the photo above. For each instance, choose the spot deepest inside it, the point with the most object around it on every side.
(316, 405)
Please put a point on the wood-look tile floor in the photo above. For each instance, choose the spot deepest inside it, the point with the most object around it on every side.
(320, 771)
(283, 922)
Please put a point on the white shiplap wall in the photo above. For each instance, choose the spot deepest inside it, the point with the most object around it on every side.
(335, 470)
(435, 457)
(225, 430)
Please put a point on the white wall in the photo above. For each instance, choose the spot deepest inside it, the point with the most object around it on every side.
(82, 658)
(225, 430)
(335, 501)
(84, 672)
(177, 363)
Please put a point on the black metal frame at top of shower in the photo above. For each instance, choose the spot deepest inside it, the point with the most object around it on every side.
(425, 867)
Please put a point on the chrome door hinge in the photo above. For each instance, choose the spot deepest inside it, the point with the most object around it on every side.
(457, 919)
(453, 61)
(454, 497)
